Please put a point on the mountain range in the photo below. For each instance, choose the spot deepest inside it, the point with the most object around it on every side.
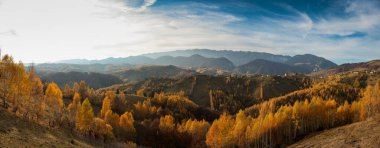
(180, 63)
(237, 61)
(236, 57)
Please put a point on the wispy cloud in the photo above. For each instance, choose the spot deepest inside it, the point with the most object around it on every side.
(130, 5)
(9, 33)
(186, 27)
(102, 28)
(183, 27)
(363, 16)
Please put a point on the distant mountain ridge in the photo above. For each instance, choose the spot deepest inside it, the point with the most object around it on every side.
(61, 67)
(195, 60)
(136, 60)
(236, 57)
(237, 61)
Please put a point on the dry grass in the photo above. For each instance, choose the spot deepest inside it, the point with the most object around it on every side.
(16, 132)
(364, 134)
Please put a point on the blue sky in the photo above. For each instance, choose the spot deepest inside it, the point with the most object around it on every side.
(51, 30)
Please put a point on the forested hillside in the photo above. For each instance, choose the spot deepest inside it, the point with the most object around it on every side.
(95, 80)
(190, 111)
(190, 73)
(218, 92)
(146, 72)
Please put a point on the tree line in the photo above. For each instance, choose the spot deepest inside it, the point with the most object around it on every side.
(173, 120)
(280, 126)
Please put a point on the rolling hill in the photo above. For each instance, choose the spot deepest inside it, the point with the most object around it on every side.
(360, 134)
(46, 68)
(16, 132)
(269, 68)
(144, 72)
(368, 67)
(298, 64)
(197, 87)
(311, 62)
(94, 80)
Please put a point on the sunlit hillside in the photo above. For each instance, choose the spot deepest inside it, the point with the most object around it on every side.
(187, 111)
(190, 73)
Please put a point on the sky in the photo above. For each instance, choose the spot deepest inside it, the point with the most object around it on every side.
(51, 30)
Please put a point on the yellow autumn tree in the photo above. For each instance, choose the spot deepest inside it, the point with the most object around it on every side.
(370, 103)
(112, 118)
(167, 123)
(7, 72)
(83, 89)
(218, 134)
(54, 103)
(73, 108)
(36, 95)
(67, 92)
(102, 129)
(76, 88)
(105, 107)
(343, 114)
(23, 91)
(18, 88)
(112, 97)
(85, 117)
(144, 110)
(126, 124)
(238, 131)
(197, 130)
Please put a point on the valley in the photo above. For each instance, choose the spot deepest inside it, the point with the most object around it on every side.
(276, 103)
(190, 73)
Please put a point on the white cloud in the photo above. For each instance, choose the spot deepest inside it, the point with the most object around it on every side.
(364, 16)
(96, 29)
(301, 34)
(130, 5)
(9, 33)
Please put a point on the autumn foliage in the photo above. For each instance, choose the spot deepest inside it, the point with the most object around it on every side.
(174, 120)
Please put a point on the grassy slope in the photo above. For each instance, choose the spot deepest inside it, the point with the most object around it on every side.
(15, 132)
(360, 134)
